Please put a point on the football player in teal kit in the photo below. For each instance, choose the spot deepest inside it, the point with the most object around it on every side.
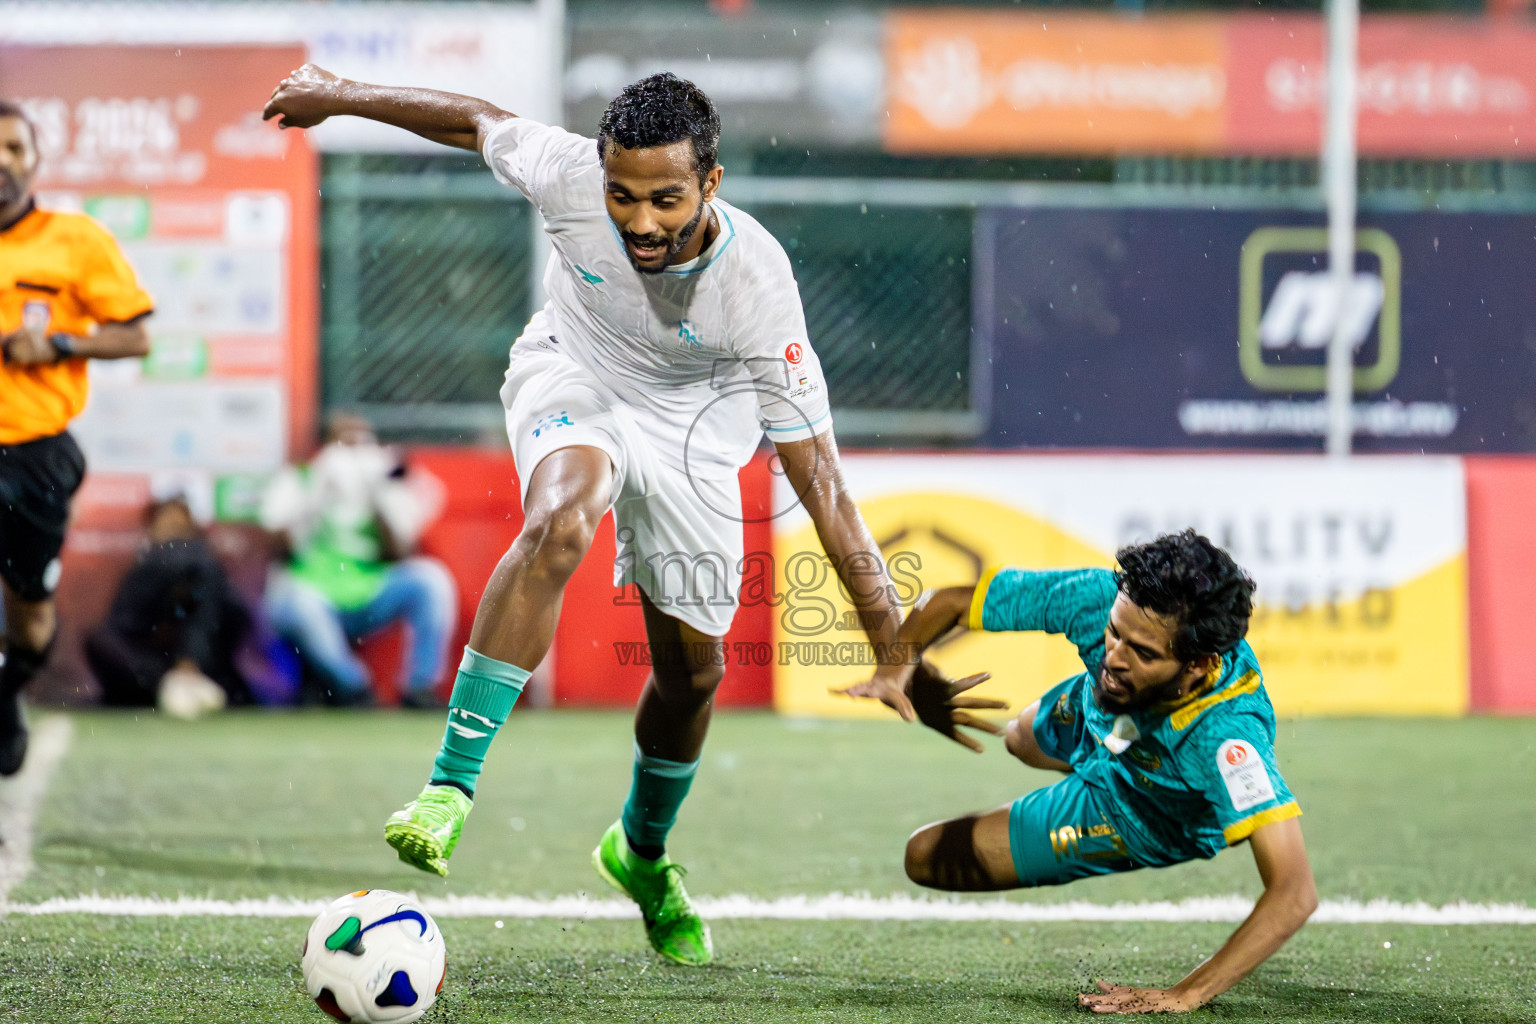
(1166, 743)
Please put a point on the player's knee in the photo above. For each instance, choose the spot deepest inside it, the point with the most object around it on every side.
(943, 856)
(705, 681)
(919, 859)
(682, 679)
(558, 540)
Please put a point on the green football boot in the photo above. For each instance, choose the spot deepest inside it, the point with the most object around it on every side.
(675, 929)
(425, 832)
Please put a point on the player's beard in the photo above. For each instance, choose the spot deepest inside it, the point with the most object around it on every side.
(10, 189)
(677, 243)
(1138, 700)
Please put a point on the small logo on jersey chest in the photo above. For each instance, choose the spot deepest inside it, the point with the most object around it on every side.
(587, 275)
(688, 336)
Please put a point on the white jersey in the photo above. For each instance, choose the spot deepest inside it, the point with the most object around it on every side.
(707, 355)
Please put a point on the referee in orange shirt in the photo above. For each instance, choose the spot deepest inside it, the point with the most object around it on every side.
(66, 295)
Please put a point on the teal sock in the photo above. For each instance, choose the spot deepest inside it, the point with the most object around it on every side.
(654, 797)
(483, 694)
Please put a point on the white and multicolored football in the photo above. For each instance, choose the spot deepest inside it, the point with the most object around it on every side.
(374, 957)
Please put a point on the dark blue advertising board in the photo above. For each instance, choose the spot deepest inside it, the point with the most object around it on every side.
(1190, 329)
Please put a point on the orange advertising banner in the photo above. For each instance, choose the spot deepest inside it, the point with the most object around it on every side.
(1008, 82)
(1013, 82)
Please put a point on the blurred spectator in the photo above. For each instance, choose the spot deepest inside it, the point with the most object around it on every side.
(175, 624)
(349, 522)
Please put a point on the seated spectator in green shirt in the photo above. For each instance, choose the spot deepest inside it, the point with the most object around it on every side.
(348, 522)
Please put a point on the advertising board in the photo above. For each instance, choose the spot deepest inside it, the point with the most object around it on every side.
(778, 78)
(502, 52)
(1360, 566)
(1207, 329)
(216, 211)
(989, 82)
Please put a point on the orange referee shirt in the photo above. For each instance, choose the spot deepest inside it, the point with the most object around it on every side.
(58, 272)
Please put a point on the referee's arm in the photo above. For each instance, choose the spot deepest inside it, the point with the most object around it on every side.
(126, 339)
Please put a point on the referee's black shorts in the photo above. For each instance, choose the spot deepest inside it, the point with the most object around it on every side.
(37, 479)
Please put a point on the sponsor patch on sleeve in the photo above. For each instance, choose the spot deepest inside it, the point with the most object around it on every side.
(1244, 773)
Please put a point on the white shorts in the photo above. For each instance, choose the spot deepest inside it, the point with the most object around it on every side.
(678, 537)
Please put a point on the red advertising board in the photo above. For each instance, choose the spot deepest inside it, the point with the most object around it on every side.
(1501, 584)
(1001, 82)
(1427, 86)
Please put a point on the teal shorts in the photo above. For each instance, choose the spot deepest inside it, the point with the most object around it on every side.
(1058, 835)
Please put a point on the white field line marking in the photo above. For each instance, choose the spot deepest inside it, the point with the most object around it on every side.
(834, 907)
(21, 796)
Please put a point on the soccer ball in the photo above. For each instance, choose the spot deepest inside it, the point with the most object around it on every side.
(376, 957)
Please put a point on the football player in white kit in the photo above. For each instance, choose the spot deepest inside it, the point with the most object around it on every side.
(673, 338)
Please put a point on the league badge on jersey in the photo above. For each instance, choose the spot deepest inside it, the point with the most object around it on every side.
(1244, 773)
(35, 317)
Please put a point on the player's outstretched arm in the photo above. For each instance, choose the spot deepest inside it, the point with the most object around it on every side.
(311, 94)
(813, 469)
(1290, 897)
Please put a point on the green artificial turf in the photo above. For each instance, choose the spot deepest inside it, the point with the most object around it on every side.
(291, 805)
(208, 969)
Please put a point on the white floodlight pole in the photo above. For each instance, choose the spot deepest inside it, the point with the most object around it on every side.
(1339, 181)
(551, 14)
(540, 688)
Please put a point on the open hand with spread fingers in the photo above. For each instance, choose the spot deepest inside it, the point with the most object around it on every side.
(940, 705)
(888, 686)
(1126, 999)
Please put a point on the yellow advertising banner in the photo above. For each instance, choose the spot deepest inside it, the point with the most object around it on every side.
(1361, 568)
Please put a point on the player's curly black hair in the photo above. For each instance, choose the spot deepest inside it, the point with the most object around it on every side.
(661, 110)
(1192, 581)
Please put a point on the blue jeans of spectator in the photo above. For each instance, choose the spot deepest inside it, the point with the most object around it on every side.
(417, 591)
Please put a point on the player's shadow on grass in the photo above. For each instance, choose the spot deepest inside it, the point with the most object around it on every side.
(1279, 1000)
(78, 851)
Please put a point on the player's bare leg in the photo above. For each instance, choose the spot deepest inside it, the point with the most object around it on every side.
(514, 626)
(670, 724)
(678, 700)
(29, 632)
(568, 495)
(966, 854)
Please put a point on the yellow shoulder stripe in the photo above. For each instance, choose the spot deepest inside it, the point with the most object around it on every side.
(1237, 832)
(979, 598)
(1181, 718)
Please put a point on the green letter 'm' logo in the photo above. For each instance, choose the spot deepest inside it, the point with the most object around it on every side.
(1303, 310)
